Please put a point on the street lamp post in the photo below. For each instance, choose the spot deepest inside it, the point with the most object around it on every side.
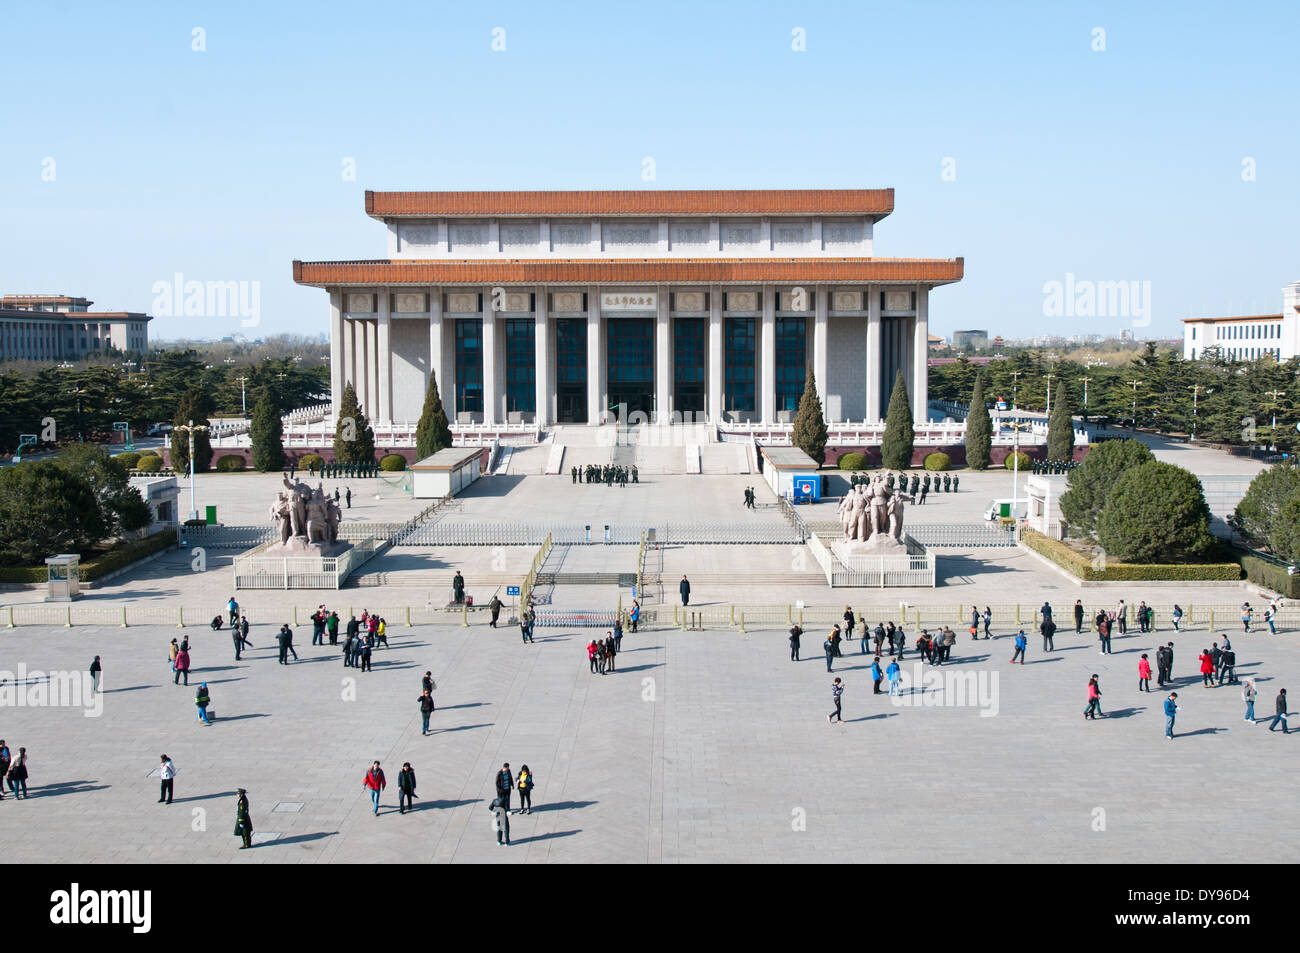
(1135, 385)
(1016, 427)
(190, 428)
(1085, 397)
(1048, 378)
(1275, 394)
(1196, 391)
(1015, 385)
(243, 401)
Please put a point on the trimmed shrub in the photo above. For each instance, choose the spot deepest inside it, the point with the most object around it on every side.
(23, 574)
(129, 459)
(230, 463)
(311, 461)
(392, 462)
(1109, 570)
(149, 463)
(1156, 513)
(852, 461)
(937, 461)
(121, 556)
(1268, 574)
(1025, 461)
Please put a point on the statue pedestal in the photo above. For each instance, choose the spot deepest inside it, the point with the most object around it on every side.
(298, 547)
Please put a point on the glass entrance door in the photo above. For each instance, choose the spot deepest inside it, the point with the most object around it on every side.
(630, 363)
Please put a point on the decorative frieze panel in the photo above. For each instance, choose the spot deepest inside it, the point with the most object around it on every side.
(898, 301)
(742, 300)
(843, 233)
(462, 303)
(570, 233)
(517, 301)
(688, 233)
(409, 303)
(417, 237)
(566, 301)
(621, 233)
(740, 233)
(794, 233)
(361, 303)
(689, 301)
(471, 235)
(797, 299)
(520, 233)
(846, 301)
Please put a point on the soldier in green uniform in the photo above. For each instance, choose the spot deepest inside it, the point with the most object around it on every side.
(243, 820)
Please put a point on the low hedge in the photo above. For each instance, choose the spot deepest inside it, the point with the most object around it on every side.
(230, 463)
(1268, 574)
(392, 461)
(129, 459)
(1081, 566)
(311, 462)
(149, 463)
(937, 461)
(110, 560)
(1025, 461)
(852, 461)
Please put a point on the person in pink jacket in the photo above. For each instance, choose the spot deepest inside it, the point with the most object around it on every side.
(375, 782)
(1094, 699)
(182, 666)
(1144, 674)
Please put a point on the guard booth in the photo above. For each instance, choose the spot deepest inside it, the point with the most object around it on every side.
(64, 577)
(791, 473)
(447, 472)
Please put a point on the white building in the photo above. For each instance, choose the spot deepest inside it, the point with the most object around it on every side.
(53, 327)
(575, 307)
(1247, 337)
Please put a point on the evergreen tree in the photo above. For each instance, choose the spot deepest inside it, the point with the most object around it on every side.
(195, 406)
(1060, 428)
(809, 425)
(1155, 513)
(432, 433)
(1082, 503)
(354, 440)
(267, 433)
(979, 429)
(896, 445)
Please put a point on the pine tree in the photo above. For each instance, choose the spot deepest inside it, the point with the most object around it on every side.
(896, 446)
(1060, 428)
(432, 433)
(193, 407)
(267, 433)
(809, 425)
(979, 429)
(354, 440)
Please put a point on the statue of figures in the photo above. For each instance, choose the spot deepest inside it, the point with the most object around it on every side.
(879, 507)
(858, 514)
(317, 522)
(896, 516)
(332, 517)
(280, 517)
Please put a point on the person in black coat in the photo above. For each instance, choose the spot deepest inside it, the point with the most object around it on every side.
(684, 587)
(1078, 615)
(405, 788)
(795, 633)
(505, 782)
(243, 820)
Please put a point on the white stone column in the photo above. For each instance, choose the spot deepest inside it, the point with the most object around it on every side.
(821, 322)
(542, 370)
(365, 394)
(767, 364)
(663, 358)
(595, 361)
(874, 413)
(384, 351)
(435, 351)
(716, 379)
(490, 396)
(337, 351)
(920, 357)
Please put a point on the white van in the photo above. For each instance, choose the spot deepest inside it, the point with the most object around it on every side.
(1017, 508)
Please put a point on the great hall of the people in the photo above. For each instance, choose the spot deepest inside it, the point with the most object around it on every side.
(576, 307)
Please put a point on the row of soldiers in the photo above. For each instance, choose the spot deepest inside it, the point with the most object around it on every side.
(1054, 467)
(917, 485)
(609, 474)
(338, 470)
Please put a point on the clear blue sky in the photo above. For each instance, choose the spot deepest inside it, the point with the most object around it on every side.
(225, 165)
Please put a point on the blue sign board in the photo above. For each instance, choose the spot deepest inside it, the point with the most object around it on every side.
(807, 489)
(512, 590)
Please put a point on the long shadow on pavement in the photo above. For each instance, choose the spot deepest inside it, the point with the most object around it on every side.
(66, 787)
(550, 836)
(439, 731)
(204, 797)
(563, 806)
(297, 839)
(132, 688)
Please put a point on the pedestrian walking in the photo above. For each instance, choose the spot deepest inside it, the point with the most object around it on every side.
(1022, 644)
(1171, 712)
(405, 788)
(237, 639)
(243, 820)
(684, 587)
(243, 631)
(849, 622)
(1247, 613)
(426, 710)
(501, 820)
(837, 693)
(795, 633)
(332, 627)
(283, 640)
(6, 759)
(1078, 616)
(1176, 616)
(1121, 616)
(166, 779)
(95, 669)
(1144, 674)
(988, 619)
(494, 607)
(829, 648)
(1269, 615)
(634, 616)
(232, 607)
(1094, 700)
(1207, 668)
(504, 782)
(877, 675)
(202, 699)
(1048, 630)
(16, 775)
(182, 667)
(366, 649)
(525, 785)
(375, 782)
(1248, 695)
(1227, 665)
(1279, 713)
(835, 641)
(611, 652)
(591, 655)
(458, 588)
(618, 636)
(892, 673)
(347, 496)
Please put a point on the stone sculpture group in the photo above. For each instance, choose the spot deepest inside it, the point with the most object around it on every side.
(305, 518)
(871, 514)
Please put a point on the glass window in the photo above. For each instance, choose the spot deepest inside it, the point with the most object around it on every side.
(791, 361)
(738, 345)
(521, 365)
(469, 365)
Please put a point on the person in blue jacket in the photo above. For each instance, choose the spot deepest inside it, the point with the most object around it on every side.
(1171, 711)
(893, 672)
(876, 675)
(1022, 643)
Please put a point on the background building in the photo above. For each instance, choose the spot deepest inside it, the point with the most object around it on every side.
(562, 307)
(971, 338)
(1246, 337)
(62, 328)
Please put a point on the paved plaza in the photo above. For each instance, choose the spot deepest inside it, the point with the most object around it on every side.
(702, 747)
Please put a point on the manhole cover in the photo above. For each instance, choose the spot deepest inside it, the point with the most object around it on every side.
(287, 807)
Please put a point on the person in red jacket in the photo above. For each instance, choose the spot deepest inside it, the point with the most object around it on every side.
(1144, 674)
(375, 782)
(1094, 699)
(592, 652)
(182, 666)
(1207, 668)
